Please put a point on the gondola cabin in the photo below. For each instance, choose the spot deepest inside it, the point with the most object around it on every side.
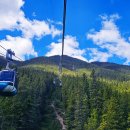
(57, 82)
(8, 86)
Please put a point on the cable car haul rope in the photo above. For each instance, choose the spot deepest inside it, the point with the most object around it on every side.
(57, 80)
(7, 50)
(63, 37)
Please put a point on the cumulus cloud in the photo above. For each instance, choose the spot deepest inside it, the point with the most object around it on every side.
(54, 22)
(13, 18)
(97, 55)
(110, 38)
(71, 48)
(37, 28)
(10, 13)
(20, 45)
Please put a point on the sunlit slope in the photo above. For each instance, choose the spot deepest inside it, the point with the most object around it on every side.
(54, 69)
(117, 81)
(99, 72)
(73, 66)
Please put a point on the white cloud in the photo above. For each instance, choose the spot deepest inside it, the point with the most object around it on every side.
(37, 28)
(54, 22)
(22, 46)
(110, 38)
(54, 31)
(108, 33)
(97, 55)
(13, 18)
(71, 48)
(10, 13)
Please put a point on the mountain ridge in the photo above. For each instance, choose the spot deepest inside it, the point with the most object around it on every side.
(68, 63)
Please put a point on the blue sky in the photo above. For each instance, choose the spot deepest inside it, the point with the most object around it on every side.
(96, 30)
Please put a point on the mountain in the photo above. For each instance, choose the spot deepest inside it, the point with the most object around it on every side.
(84, 102)
(112, 66)
(68, 62)
(102, 69)
(3, 62)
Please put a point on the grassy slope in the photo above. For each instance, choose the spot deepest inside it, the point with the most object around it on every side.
(100, 72)
(116, 84)
(54, 69)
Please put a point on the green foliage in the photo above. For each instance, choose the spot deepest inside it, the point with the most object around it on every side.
(27, 110)
(85, 101)
(95, 104)
(93, 121)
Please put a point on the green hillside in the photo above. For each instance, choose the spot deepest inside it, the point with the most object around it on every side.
(93, 97)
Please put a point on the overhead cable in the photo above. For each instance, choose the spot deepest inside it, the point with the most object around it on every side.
(63, 36)
(14, 55)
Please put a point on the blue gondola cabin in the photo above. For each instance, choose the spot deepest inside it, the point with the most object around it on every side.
(8, 86)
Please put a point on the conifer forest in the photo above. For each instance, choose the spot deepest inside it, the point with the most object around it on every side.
(85, 101)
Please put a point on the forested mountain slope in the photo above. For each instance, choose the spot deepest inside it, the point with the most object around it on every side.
(71, 63)
(84, 103)
(91, 98)
(3, 62)
(68, 62)
(31, 108)
(102, 69)
(113, 66)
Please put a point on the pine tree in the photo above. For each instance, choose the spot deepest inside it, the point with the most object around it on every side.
(92, 121)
